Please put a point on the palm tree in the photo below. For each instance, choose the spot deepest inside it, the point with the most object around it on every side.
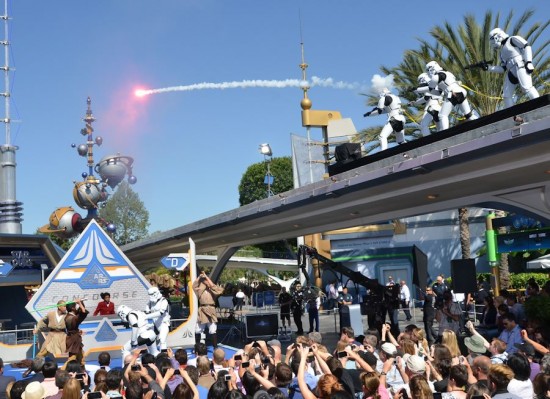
(457, 47)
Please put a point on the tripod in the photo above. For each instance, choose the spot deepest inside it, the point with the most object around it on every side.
(234, 329)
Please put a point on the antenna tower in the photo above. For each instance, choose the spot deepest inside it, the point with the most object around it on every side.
(10, 208)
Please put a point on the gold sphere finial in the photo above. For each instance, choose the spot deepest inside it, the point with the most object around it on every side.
(305, 103)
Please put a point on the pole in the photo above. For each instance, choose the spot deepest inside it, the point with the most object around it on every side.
(490, 240)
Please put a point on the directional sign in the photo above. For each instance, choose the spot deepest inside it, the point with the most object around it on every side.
(175, 261)
(5, 268)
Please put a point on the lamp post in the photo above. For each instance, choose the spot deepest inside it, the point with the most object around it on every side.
(265, 150)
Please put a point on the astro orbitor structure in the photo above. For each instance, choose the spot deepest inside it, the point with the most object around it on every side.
(91, 192)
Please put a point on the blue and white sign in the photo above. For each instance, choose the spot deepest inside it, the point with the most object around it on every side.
(5, 268)
(175, 261)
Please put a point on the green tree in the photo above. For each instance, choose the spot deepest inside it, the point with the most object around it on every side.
(128, 213)
(252, 186)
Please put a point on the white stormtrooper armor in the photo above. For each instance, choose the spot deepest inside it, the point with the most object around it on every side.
(142, 332)
(516, 60)
(432, 100)
(390, 104)
(453, 93)
(158, 310)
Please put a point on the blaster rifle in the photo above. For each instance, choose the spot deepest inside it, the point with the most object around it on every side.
(481, 64)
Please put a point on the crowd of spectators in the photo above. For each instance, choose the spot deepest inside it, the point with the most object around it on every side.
(501, 357)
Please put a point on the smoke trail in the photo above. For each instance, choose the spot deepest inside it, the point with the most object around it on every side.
(278, 84)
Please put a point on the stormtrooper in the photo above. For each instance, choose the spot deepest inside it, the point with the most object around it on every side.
(142, 331)
(516, 60)
(453, 93)
(389, 104)
(432, 102)
(158, 310)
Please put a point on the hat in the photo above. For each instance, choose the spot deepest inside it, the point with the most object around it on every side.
(526, 348)
(34, 390)
(389, 348)
(261, 394)
(274, 342)
(476, 344)
(416, 364)
(390, 278)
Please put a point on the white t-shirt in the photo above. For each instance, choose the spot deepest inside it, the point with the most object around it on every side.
(524, 389)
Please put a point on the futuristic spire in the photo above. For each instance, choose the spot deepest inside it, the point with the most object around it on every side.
(10, 208)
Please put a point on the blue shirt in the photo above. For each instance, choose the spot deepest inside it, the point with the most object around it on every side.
(511, 338)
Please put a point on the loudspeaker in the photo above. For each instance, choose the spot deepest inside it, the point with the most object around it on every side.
(420, 270)
(463, 273)
(347, 152)
(262, 325)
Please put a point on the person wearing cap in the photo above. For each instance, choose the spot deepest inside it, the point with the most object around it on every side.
(34, 390)
(408, 367)
(475, 345)
(388, 353)
(390, 281)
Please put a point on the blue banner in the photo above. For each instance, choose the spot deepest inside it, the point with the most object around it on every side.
(269, 298)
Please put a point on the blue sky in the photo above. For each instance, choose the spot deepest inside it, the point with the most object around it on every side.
(191, 148)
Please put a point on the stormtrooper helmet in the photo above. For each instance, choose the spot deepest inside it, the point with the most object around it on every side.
(496, 37)
(423, 79)
(432, 68)
(123, 312)
(154, 294)
(384, 92)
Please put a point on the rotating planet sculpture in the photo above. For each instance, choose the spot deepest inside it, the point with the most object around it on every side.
(90, 193)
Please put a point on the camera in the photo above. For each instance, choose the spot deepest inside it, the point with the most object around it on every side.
(245, 364)
(238, 357)
(94, 395)
(80, 376)
(227, 377)
(135, 367)
(342, 354)
(177, 372)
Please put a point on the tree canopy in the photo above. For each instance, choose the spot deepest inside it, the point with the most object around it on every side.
(128, 213)
(252, 186)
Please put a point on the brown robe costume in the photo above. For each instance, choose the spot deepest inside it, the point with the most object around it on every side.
(207, 301)
(56, 339)
(74, 339)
